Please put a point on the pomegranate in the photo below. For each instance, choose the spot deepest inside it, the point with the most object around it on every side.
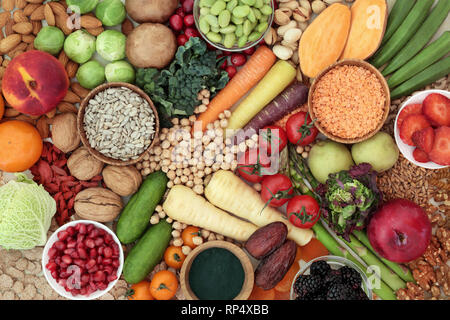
(400, 231)
(84, 259)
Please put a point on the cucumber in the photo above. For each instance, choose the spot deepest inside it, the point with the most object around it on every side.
(429, 75)
(432, 53)
(136, 215)
(421, 38)
(401, 36)
(398, 13)
(147, 252)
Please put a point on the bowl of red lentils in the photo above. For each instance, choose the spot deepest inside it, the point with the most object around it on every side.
(349, 101)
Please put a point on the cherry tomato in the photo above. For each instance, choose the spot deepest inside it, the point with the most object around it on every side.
(300, 129)
(180, 12)
(231, 71)
(182, 39)
(252, 164)
(249, 51)
(303, 211)
(238, 59)
(191, 32)
(276, 189)
(188, 6)
(176, 22)
(189, 20)
(272, 138)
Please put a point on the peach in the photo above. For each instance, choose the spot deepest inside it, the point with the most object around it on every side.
(34, 82)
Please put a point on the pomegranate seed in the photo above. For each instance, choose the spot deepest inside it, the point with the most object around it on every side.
(66, 259)
(101, 286)
(83, 291)
(231, 71)
(176, 22)
(108, 269)
(77, 227)
(75, 255)
(99, 241)
(90, 264)
(80, 238)
(238, 59)
(109, 239)
(107, 261)
(58, 260)
(182, 39)
(189, 20)
(52, 252)
(93, 234)
(83, 228)
(62, 235)
(100, 250)
(116, 263)
(180, 12)
(99, 259)
(64, 275)
(69, 251)
(60, 245)
(188, 6)
(75, 292)
(108, 252)
(82, 253)
(51, 266)
(101, 267)
(54, 275)
(99, 276)
(93, 253)
(63, 265)
(89, 227)
(111, 277)
(62, 282)
(70, 231)
(79, 262)
(71, 244)
(85, 278)
(89, 243)
(115, 248)
(101, 232)
(92, 285)
(93, 269)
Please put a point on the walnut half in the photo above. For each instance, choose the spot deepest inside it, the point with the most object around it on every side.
(98, 204)
(82, 165)
(124, 181)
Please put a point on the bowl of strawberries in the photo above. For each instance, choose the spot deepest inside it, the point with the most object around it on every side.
(422, 129)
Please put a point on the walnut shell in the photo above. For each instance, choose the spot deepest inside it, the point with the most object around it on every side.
(82, 165)
(124, 181)
(98, 204)
(64, 132)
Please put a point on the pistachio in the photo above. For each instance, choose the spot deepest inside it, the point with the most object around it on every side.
(301, 14)
(282, 30)
(282, 16)
(305, 4)
(271, 37)
(295, 59)
(290, 4)
(282, 52)
(291, 45)
(302, 25)
(318, 6)
(333, 1)
(292, 35)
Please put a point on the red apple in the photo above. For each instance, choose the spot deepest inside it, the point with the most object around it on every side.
(400, 231)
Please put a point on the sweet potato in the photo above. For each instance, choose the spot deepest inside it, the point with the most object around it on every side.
(266, 240)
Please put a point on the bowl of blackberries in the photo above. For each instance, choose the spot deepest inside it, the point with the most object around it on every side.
(330, 278)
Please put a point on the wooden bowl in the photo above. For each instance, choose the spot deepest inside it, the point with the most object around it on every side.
(247, 286)
(80, 120)
(359, 63)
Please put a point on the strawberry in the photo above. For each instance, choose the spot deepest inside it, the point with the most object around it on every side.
(420, 156)
(436, 108)
(411, 124)
(440, 153)
(423, 139)
(408, 110)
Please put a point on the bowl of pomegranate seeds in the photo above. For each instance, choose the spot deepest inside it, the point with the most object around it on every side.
(82, 260)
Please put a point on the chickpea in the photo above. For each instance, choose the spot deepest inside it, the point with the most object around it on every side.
(197, 240)
(158, 208)
(198, 189)
(176, 234)
(162, 215)
(186, 250)
(171, 175)
(169, 220)
(170, 184)
(154, 219)
(178, 242)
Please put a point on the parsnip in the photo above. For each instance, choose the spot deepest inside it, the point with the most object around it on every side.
(228, 192)
(184, 205)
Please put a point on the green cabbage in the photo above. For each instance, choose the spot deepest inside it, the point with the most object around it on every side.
(26, 211)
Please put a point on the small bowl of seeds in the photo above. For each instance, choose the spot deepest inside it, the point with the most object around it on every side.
(118, 123)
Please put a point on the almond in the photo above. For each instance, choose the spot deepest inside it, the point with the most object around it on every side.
(5, 62)
(8, 5)
(16, 53)
(30, 46)
(28, 38)
(4, 18)
(19, 16)
(20, 47)
(71, 69)
(90, 22)
(26, 118)
(63, 58)
(57, 8)
(95, 31)
(23, 27)
(49, 16)
(34, 1)
(43, 127)
(2, 72)
(127, 26)
(10, 42)
(38, 14)
(61, 22)
(79, 90)
(37, 26)
(67, 107)
(29, 8)
(20, 4)
(11, 113)
(71, 97)
(8, 28)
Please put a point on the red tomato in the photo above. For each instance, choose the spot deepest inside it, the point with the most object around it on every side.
(231, 71)
(188, 6)
(272, 138)
(249, 51)
(276, 189)
(251, 165)
(181, 40)
(300, 129)
(303, 211)
(176, 22)
(238, 59)
(191, 32)
(189, 20)
(180, 12)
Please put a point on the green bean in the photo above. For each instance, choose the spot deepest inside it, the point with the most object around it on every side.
(214, 37)
(229, 40)
(224, 18)
(218, 7)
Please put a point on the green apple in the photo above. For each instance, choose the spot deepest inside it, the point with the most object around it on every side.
(380, 151)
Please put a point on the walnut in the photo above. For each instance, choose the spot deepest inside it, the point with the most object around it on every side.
(98, 204)
(83, 165)
(124, 181)
(65, 133)
(425, 276)
(434, 254)
(411, 292)
(443, 236)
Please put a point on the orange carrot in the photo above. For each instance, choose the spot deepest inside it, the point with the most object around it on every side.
(261, 294)
(247, 77)
(313, 249)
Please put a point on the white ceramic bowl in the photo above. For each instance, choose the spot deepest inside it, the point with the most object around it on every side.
(58, 288)
(405, 149)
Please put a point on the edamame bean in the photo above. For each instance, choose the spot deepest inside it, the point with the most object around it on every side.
(259, 4)
(236, 20)
(262, 27)
(247, 27)
(206, 3)
(224, 18)
(204, 11)
(218, 7)
(249, 2)
(266, 10)
(203, 25)
(231, 5)
(242, 41)
(239, 31)
(251, 16)
(228, 29)
(257, 13)
(215, 29)
(212, 20)
(241, 11)
(229, 40)
(214, 37)
(254, 36)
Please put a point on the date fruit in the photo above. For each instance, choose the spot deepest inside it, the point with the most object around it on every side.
(274, 267)
(266, 240)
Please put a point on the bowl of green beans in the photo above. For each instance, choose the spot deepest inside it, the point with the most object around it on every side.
(233, 25)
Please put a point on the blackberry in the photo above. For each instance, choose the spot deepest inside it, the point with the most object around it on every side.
(340, 292)
(307, 284)
(351, 277)
(360, 294)
(333, 277)
(320, 268)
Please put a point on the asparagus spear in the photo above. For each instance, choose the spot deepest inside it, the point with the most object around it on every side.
(400, 270)
(384, 291)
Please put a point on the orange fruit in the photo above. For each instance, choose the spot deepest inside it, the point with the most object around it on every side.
(140, 291)
(2, 107)
(164, 285)
(20, 146)
(174, 257)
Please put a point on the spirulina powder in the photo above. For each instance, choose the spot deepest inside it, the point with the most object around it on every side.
(216, 274)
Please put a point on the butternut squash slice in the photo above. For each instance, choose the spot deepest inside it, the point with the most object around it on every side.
(324, 40)
(368, 23)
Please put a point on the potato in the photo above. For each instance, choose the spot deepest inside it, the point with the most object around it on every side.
(151, 45)
(151, 10)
